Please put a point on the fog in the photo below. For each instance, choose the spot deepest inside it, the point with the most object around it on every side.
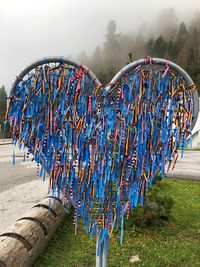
(33, 29)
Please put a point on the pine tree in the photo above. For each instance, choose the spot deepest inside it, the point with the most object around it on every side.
(97, 56)
(111, 37)
(83, 58)
(181, 46)
(171, 50)
(3, 102)
(150, 47)
(111, 51)
(160, 47)
(167, 23)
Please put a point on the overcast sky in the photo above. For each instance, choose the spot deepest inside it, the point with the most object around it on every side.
(33, 29)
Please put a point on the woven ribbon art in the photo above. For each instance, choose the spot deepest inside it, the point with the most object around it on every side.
(101, 146)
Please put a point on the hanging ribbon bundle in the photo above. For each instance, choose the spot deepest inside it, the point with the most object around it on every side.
(102, 147)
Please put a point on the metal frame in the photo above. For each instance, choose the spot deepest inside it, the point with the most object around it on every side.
(102, 257)
(52, 60)
(118, 76)
(162, 62)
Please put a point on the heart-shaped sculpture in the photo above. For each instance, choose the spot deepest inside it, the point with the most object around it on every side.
(102, 146)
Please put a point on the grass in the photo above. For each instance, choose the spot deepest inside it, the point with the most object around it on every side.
(175, 244)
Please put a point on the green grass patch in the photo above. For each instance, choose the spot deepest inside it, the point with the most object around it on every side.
(174, 244)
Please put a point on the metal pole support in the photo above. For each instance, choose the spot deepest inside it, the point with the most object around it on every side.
(104, 255)
(98, 251)
(101, 252)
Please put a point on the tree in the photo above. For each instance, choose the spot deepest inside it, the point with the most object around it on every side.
(150, 47)
(182, 32)
(171, 50)
(3, 102)
(97, 56)
(127, 45)
(3, 105)
(111, 51)
(140, 44)
(160, 47)
(83, 58)
(97, 65)
(194, 50)
(181, 46)
(111, 37)
(194, 37)
(167, 23)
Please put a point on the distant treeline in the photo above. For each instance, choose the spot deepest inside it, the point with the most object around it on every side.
(167, 38)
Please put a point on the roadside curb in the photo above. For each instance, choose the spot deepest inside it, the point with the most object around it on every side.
(26, 239)
(5, 141)
(3, 144)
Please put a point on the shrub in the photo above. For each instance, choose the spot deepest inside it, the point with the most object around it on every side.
(156, 210)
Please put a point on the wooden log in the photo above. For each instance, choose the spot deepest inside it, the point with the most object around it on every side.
(24, 241)
(13, 253)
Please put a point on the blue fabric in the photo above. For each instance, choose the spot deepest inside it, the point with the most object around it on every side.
(101, 150)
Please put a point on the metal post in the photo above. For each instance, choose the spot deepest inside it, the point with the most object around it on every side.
(98, 251)
(101, 252)
(104, 255)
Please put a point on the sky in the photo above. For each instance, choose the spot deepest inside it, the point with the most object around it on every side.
(33, 29)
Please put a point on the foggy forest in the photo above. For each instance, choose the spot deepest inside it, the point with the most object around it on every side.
(178, 42)
(172, 39)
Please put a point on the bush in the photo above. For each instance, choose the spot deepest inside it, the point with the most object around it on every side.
(6, 133)
(156, 210)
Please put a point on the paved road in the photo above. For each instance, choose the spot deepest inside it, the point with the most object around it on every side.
(19, 186)
(12, 175)
(188, 167)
